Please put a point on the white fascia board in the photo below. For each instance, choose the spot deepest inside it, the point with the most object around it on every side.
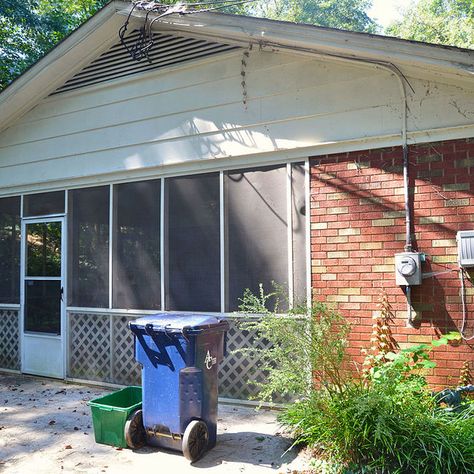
(67, 58)
(242, 30)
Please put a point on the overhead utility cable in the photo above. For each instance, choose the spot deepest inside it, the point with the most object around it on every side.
(139, 49)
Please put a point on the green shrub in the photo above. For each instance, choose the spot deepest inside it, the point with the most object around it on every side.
(387, 422)
(390, 425)
(384, 432)
(305, 349)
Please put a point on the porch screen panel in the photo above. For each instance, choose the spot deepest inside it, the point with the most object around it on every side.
(298, 209)
(10, 250)
(136, 241)
(88, 235)
(192, 241)
(256, 231)
(42, 204)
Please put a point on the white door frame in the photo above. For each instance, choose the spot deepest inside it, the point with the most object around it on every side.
(63, 336)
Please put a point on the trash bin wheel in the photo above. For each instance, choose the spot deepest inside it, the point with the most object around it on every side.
(134, 431)
(195, 440)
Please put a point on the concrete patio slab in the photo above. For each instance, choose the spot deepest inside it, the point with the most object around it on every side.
(46, 427)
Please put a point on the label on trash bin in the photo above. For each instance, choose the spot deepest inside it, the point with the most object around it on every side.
(209, 361)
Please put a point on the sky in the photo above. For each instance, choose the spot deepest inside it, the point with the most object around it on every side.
(386, 11)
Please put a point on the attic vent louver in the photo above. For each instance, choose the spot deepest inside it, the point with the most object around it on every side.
(167, 50)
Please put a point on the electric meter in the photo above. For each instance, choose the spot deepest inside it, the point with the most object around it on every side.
(408, 268)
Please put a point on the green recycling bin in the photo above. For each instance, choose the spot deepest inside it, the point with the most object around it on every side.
(110, 414)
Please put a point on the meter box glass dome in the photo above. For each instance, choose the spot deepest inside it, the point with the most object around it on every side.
(408, 268)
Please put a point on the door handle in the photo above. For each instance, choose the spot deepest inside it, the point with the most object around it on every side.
(62, 293)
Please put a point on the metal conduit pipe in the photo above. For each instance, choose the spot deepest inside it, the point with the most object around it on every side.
(401, 79)
(402, 82)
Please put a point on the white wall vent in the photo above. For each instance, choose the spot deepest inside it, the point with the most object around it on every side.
(465, 240)
(167, 50)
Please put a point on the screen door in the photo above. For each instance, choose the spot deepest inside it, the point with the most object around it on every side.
(42, 297)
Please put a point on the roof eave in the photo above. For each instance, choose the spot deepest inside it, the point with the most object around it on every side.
(242, 30)
(56, 67)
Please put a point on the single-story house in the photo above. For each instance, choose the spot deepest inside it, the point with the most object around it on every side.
(174, 167)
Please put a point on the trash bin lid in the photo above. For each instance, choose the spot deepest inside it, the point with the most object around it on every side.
(185, 323)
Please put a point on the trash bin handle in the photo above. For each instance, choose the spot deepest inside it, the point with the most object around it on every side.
(165, 330)
(174, 340)
(149, 329)
(185, 333)
(189, 329)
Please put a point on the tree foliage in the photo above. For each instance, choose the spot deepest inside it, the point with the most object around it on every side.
(30, 28)
(449, 22)
(343, 14)
(17, 21)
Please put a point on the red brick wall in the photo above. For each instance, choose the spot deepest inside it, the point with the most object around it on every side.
(358, 224)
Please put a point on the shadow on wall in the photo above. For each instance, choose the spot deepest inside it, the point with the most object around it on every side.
(370, 184)
(434, 305)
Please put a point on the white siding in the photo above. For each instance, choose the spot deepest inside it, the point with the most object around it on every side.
(196, 113)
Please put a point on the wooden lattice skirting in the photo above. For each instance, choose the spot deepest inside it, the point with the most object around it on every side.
(101, 349)
(9, 339)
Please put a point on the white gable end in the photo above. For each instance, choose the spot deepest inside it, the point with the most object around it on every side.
(116, 119)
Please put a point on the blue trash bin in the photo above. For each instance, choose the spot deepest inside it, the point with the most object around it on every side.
(180, 355)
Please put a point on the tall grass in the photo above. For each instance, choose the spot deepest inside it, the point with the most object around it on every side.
(385, 430)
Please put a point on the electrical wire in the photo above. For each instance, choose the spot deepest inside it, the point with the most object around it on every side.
(184, 8)
(145, 41)
(463, 297)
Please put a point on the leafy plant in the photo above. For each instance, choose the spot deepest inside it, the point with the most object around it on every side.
(307, 347)
(390, 425)
(386, 422)
(466, 377)
(381, 341)
(385, 431)
(410, 363)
